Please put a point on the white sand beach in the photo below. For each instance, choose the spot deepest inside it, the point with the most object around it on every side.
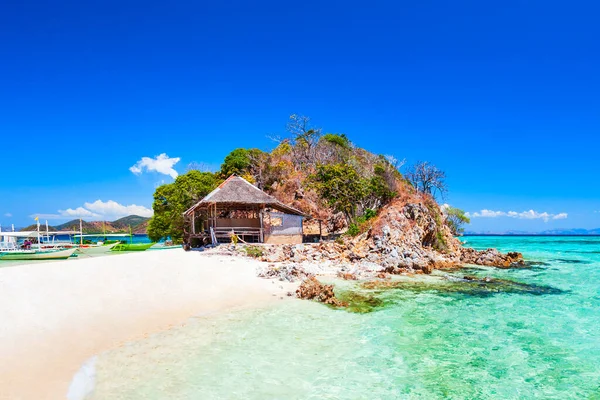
(55, 316)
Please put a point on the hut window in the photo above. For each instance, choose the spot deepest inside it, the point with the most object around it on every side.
(276, 221)
(285, 224)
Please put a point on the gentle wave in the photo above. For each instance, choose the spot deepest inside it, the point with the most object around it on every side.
(84, 381)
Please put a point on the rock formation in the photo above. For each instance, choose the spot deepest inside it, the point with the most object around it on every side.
(405, 237)
(312, 289)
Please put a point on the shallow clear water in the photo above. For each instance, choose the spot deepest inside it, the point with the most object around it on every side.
(426, 343)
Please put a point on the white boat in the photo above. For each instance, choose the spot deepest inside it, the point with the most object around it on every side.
(48, 240)
(94, 249)
(9, 240)
(31, 249)
(19, 254)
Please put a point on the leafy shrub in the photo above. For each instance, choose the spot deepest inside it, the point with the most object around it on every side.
(440, 243)
(334, 138)
(283, 149)
(353, 230)
(369, 213)
(254, 251)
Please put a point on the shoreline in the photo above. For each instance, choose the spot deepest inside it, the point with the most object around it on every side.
(62, 314)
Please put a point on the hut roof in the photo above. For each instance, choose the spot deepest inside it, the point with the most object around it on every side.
(237, 190)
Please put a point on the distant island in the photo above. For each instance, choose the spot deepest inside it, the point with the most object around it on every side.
(137, 223)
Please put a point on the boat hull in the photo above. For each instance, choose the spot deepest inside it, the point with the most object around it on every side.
(37, 255)
(166, 247)
(93, 250)
(133, 247)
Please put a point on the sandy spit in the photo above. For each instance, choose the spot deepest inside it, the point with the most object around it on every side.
(56, 316)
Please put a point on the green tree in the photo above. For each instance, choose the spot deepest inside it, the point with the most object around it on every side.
(340, 186)
(173, 199)
(340, 140)
(251, 164)
(455, 219)
(237, 162)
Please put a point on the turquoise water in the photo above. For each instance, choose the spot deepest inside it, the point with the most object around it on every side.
(426, 343)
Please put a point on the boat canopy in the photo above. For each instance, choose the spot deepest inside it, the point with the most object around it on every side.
(20, 234)
(59, 233)
(104, 235)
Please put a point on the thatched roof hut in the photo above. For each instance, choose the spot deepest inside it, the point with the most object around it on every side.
(239, 208)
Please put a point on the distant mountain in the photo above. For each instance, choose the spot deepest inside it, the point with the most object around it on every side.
(131, 220)
(572, 232)
(547, 232)
(500, 233)
(138, 225)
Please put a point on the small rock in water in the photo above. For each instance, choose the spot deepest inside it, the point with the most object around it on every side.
(312, 289)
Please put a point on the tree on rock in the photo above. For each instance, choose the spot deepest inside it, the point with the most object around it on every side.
(455, 219)
(427, 178)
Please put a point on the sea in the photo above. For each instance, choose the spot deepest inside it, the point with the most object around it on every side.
(526, 333)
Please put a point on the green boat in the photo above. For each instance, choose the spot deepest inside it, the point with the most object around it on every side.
(132, 246)
(175, 246)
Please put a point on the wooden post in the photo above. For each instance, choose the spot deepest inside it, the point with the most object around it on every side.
(262, 237)
(320, 231)
(214, 215)
(194, 222)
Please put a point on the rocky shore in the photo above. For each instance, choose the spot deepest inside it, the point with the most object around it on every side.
(404, 239)
(407, 238)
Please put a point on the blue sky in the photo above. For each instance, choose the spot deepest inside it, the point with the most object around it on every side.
(503, 96)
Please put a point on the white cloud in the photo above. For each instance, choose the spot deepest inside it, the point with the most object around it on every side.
(487, 214)
(98, 210)
(112, 208)
(8, 215)
(531, 214)
(162, 164)
(79, 212)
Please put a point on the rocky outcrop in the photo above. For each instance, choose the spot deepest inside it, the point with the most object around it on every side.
(408, 237)
(404, 238)
(492, 257)
(312, 289)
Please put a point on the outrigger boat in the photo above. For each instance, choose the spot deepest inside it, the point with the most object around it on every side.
(37, 254)
(118, 246)
(11, 250)
(101, 246)
(96, 248)
(132, 246)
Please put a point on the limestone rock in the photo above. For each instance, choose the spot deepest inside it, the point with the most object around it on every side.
(312, 289)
